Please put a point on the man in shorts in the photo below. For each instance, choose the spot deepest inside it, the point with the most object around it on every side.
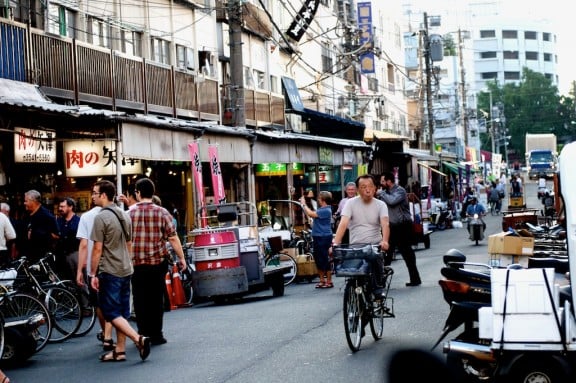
(112, 269)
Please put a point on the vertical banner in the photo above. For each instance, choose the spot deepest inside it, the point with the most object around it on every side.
(217, 183)
(367, 60)
(197, 173)
(460, 191)
(302, 20)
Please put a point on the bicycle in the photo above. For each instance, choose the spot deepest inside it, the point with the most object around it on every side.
(360, 303)
(88, 317)
(274, 257)
(63, 306)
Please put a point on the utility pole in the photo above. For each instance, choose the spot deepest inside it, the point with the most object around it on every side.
(428, 64)
(492, 130)
(463, 90)
(236, 64)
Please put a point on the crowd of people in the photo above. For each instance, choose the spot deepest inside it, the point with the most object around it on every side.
(119, 255)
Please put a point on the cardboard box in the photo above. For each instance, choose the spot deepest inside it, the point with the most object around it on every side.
(504, 243)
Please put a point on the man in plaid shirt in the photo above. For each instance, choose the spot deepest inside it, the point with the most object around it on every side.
(152, 226)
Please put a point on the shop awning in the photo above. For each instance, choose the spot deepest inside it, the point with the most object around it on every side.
(328, 125)
(378, 135)
(334, 141)
(28, 96)
(431, 168)
(453, 167)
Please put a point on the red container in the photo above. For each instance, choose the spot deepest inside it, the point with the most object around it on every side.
(215, 238)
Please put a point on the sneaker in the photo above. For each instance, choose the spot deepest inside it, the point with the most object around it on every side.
(413, 284)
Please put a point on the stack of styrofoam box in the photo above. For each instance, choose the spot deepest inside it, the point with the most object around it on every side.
(529, 309)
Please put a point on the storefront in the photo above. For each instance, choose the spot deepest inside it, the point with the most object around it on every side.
(287, 164)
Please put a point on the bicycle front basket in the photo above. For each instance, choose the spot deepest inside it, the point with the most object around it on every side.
(352, 260)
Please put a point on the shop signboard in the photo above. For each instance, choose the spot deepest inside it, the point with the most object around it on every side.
(84, 158)
(34, 146)
(278, 169)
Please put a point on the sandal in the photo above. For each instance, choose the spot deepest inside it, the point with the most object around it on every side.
(108, 345)
(329, 285)
(114, 356)
(321, 285)
(143, 346)
(4, 378)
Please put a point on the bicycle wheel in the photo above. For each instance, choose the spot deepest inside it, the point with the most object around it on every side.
(21, 305)
(66, 313)
(285, 260)
(377, 319)
(352, 310)
(88, 317)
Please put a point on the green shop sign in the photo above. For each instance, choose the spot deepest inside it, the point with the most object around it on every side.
(277, 169)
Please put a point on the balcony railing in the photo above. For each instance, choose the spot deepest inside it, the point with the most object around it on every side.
(73, 71)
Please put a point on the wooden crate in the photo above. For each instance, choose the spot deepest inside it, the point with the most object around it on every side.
(517, 220)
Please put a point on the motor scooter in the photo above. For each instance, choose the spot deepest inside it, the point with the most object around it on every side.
(476, 229)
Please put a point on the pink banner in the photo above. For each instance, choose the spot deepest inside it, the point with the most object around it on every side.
(197, 173)
(217, 183)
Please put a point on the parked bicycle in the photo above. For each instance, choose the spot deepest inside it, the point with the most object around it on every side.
(45, 273)
(63, 306)
(361, 305)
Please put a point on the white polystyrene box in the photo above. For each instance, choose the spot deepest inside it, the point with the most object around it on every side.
(529, 328)
(485, 323)
(526, 293)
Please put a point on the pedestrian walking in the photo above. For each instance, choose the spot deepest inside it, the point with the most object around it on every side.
(152, 226)
(84, 269)
(401, 229)
(112, 270)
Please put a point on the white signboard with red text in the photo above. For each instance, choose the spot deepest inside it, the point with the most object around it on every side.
(34, 146)
(96, 158)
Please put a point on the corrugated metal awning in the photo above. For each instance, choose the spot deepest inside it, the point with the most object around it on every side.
(29, 96)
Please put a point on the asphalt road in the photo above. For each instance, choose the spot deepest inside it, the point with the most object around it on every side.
(295, 338)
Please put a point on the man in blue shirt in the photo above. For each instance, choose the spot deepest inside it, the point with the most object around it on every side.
(476, 208)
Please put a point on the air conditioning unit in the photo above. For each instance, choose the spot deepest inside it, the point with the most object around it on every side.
(294, 123)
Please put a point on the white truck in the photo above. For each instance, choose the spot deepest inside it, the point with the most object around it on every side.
(541, 155)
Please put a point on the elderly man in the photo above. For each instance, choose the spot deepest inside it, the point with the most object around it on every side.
(41, 228)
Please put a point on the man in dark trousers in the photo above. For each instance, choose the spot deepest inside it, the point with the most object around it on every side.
(67, 245)
(400, 225)
(152, 227)
(40, 228)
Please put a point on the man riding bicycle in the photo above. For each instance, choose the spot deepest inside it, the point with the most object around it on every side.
(366, 218)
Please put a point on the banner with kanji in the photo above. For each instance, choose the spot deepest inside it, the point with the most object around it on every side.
(216, 170)
(197, 174)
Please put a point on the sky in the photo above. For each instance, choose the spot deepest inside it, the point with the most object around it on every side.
(555, 11)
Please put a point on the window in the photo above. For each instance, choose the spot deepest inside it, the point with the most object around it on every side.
(531, 55)
(185, 57)
(507, 34)
(511, 75)
(98, 32)
(546, 36)
(373, 84)
(274, 88)
(160, 50)
(489, 75)
(248, 80)
(62, 21)
(131, 42)
(259, 79)
(327, 63)
(510, 55)
(206, 63)
(487, 34)
(529, 35)
(548, 57)
(488, 55)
